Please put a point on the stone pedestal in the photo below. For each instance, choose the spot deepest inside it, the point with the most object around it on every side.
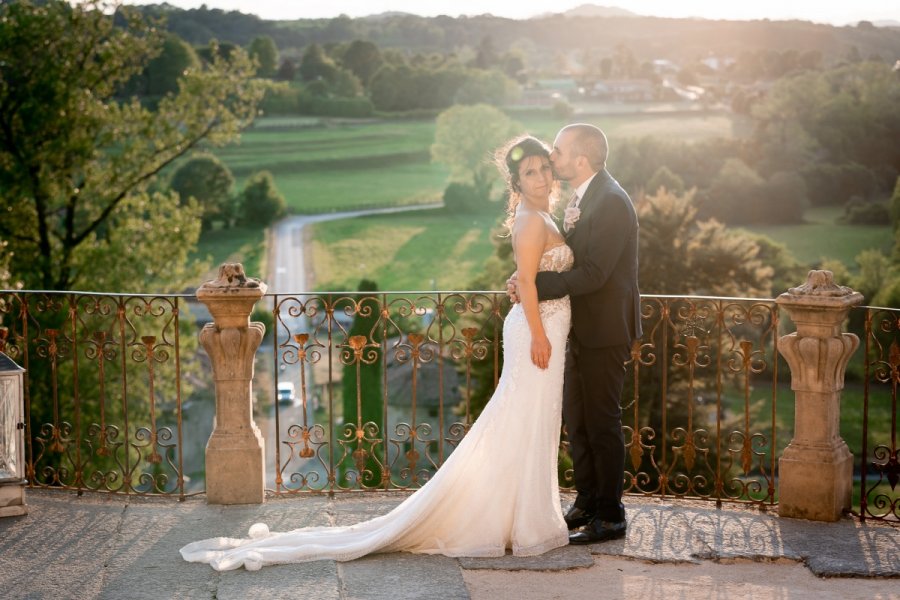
(12, 500)
(816, 470)
(235, 453)
(12, 435)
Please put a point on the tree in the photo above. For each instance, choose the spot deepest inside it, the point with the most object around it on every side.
(74, 160)
(265, 52)
(363, 59)
(287, 71)
(161, 75)
(5, 258)
(485, 55)
(732, 193)
(680, 255)
(783, 199)
(847, 114)
(207, 180)
(465, 137)
(490, 87)
(462, 198)
(874, 269)
(345, 84)
(665, 178)
(895, 206)
(261, 202)
(315, 64)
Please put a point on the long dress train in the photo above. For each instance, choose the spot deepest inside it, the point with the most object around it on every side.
(497, 490)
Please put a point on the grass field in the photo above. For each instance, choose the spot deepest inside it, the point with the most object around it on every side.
(239, 244)
(422, 250)
(321, 165)
(324, 167)
(822, 237)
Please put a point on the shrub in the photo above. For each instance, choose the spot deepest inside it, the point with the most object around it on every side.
(281, 100)
(208, 180)
(562, 110)
(261, 203)
(862, 212)
(831, 184)
(356, 107)
(463, 197)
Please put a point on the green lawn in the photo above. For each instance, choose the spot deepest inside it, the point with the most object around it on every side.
(239, 244)
(320, 167)
(323, 165)
(851, 425)
(822, 237)
(422, 250)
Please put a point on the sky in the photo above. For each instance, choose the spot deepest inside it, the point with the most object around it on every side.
(836, 12)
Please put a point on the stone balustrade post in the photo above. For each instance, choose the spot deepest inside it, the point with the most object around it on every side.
(816, 469)
(235, 453)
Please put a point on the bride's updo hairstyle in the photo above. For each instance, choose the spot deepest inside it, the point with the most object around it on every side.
(508, 158)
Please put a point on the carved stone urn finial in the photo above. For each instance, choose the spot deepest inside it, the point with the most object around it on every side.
(816, 469)
(819, 306)
(231, 296)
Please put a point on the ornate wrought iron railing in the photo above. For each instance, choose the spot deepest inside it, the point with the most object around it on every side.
(384, 385)
(699, 414)
(879, 467)
(103, 388)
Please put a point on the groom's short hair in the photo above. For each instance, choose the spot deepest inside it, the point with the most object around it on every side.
(590, 142)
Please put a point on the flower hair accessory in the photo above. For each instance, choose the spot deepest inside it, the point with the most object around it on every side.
(571, 217)
(515, 155)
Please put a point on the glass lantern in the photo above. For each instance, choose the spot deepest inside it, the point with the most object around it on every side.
(12, 439)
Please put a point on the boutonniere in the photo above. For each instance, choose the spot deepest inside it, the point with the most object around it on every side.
(571, 217)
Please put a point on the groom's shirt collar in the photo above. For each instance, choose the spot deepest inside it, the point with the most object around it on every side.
(581, 189)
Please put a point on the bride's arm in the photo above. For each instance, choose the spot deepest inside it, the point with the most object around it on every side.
(529, 239)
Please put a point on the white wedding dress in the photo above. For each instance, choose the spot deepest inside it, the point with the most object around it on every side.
(498, 490)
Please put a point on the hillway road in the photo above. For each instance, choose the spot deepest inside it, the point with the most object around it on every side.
(287, 268)
(287, 275)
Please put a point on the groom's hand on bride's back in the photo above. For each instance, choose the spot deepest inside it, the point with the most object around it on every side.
(512, 287)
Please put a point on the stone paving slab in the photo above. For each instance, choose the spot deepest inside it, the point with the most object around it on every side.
(402, 576)
(100, 546)
(560, 559)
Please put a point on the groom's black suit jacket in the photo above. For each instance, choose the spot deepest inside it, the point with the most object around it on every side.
(603, 282)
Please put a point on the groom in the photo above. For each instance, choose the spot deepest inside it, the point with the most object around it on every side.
(601, 227)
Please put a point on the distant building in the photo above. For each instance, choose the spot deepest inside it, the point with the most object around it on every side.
(662, 66)
(716, 63)
(624, 90)
(540, 97)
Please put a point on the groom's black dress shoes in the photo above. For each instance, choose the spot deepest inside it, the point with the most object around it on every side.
(598, 531)
(577, 517)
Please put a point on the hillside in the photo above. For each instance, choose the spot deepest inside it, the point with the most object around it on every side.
(647, 37)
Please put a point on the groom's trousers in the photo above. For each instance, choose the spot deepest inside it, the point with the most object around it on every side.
(592, 413)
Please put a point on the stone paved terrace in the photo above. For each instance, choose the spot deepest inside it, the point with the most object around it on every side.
(99, 546)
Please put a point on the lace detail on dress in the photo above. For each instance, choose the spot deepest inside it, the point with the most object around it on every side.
(558, 258)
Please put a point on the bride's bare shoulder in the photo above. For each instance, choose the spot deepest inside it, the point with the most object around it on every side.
(527, 220)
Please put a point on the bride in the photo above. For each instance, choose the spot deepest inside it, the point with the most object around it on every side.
(498, 490)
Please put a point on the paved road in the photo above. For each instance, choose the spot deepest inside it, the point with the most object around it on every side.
(287, 272)
(287, 275)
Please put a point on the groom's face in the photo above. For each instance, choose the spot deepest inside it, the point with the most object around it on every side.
(562, 157)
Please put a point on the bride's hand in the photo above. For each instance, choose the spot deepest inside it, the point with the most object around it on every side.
(540, 351)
